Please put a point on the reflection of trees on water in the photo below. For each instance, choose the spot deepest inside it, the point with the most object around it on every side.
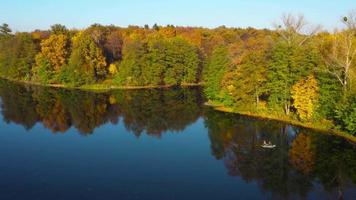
(18, 106)
(156, 111)
(301, 159)
(302, 154)
(150, 111)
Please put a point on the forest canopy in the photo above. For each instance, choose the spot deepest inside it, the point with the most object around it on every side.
(294, 70)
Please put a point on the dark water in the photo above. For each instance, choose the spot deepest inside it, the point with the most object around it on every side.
(158, 144)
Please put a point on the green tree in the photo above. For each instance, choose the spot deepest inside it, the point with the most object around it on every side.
(182, 62)
(59, 29)
(17, 56)
(346, 113)
(130, 69)
(5, 30)
(214, 73)
(155, 27)
(87, 58)
(43, 71)
(249, 80)
(291, 58)
(330, 94)
(153, 71)
(216, 68)
(288, 64)
(157, 61)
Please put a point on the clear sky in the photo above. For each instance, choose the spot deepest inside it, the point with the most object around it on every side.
(26, 15)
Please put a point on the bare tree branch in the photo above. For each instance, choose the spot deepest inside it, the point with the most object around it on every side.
(293, 29)
(342, 57)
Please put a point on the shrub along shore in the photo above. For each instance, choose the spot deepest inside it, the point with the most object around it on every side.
(292, 72)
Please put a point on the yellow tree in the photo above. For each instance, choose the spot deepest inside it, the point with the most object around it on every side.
(112, 69)
(55, 49)
(305, 97)
(246, 79)
(168, 32)
(87, 56)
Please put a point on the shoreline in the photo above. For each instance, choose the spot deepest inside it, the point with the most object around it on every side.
(102, 87)
(215, 106)
(293, 122)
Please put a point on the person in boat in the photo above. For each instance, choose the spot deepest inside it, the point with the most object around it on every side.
(267, 143)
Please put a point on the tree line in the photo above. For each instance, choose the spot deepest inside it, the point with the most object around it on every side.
(292, 70)
(110, 55)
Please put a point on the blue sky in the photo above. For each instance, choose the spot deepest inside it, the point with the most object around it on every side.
(26, 15)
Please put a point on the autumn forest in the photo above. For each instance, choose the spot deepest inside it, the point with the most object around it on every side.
(295, 71)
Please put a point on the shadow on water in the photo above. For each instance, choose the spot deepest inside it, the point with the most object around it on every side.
(304, 160)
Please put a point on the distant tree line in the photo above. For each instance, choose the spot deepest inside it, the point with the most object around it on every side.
(130, 56)
(295, 71)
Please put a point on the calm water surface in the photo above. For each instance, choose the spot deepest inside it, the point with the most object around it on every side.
(158, 144)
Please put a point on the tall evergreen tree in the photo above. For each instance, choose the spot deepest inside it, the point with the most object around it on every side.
(288, 64)
(214, 72)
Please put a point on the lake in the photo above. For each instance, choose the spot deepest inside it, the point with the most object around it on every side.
(158, 144)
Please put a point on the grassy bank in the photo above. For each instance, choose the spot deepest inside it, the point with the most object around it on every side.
(320, 127)
(101, 86)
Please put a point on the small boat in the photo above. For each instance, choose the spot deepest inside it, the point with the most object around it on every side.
(268, 146)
